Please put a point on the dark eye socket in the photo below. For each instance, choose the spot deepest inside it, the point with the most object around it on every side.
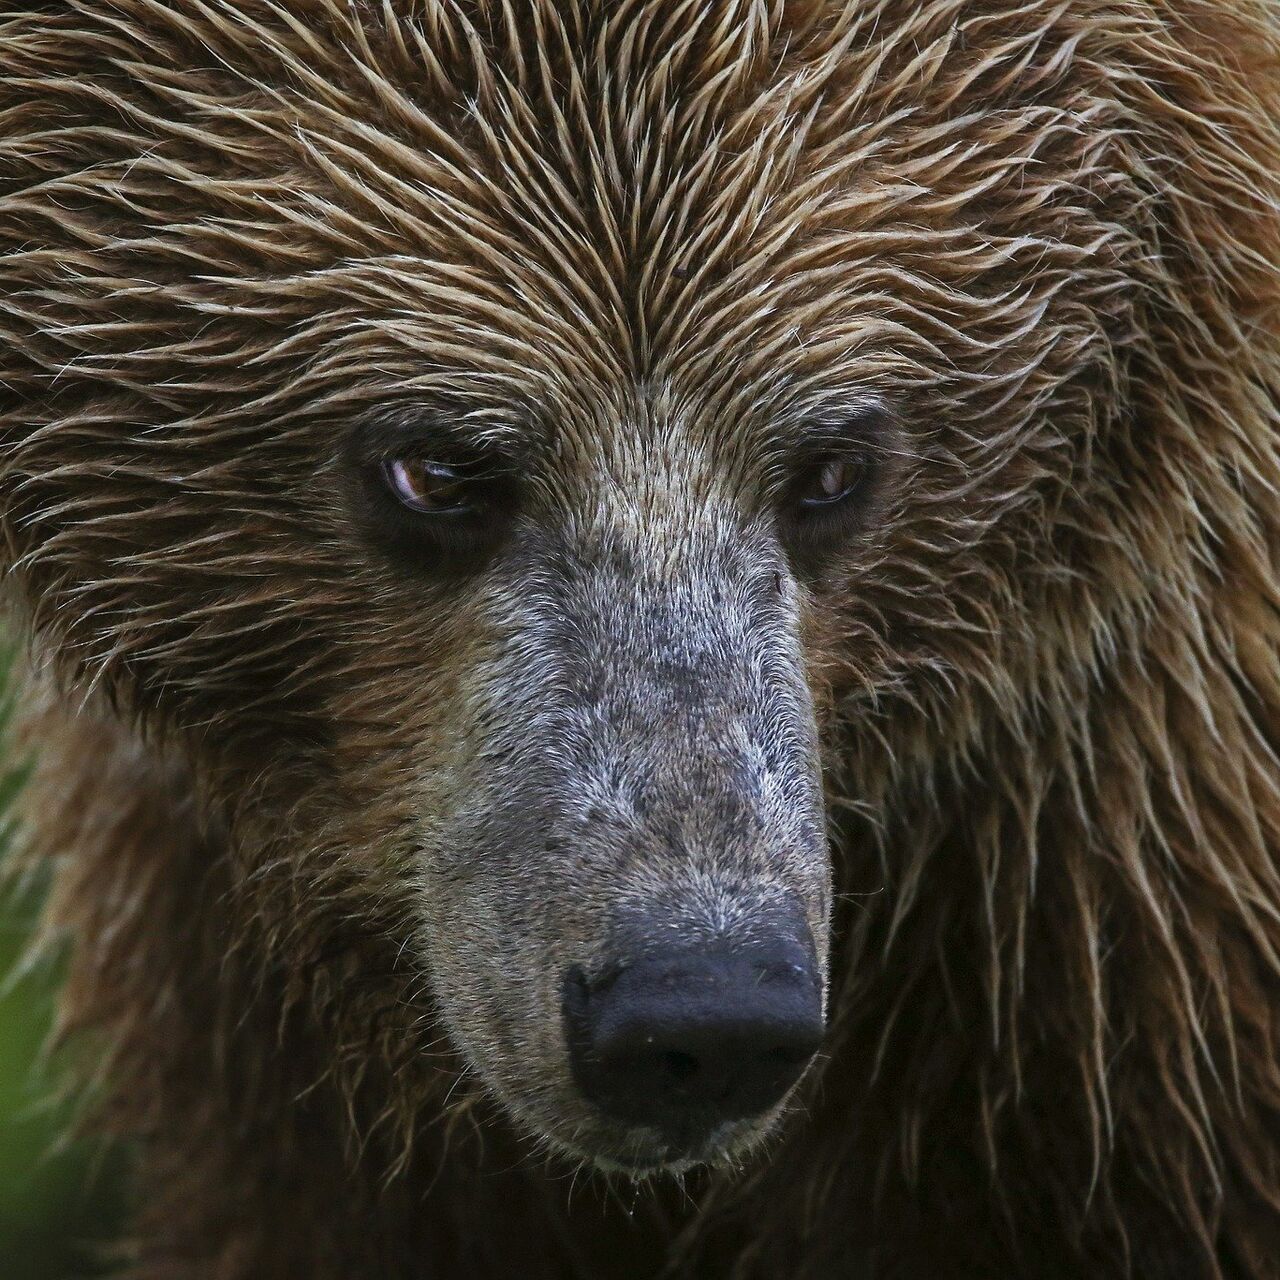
(836, 480)
(825, 503)
(441, 513)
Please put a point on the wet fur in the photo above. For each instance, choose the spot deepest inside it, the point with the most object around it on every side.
(1045, 234)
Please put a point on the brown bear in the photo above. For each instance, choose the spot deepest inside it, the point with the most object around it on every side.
(653, 627)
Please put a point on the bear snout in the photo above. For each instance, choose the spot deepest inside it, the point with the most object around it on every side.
(684, 1042)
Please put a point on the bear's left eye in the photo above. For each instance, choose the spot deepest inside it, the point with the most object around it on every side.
(825, 503)
(829, 482)
(826, 492)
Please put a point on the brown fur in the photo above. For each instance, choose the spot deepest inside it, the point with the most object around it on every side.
(1047, 235)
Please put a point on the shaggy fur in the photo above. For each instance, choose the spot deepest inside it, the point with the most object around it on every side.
(1044, 233)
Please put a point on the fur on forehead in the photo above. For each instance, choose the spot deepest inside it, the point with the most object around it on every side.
(551, 200)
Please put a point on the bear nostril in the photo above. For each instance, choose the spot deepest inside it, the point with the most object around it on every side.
(788, 1057)
(686, 1041)
(679, 1066)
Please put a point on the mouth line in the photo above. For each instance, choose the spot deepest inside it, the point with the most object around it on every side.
(654, 1159)
(640, 1169)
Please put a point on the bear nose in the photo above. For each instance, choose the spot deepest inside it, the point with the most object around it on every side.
(683, 1042)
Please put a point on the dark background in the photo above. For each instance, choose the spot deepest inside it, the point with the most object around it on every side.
(59, 1196)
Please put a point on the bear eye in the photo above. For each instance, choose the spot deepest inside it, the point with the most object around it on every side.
(825, 502)
(441, 516)
(830, 481)
(429, 487)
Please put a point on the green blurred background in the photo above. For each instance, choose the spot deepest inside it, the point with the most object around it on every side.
(60, 1198)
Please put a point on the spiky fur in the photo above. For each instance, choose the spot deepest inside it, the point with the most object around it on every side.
(1046, 233)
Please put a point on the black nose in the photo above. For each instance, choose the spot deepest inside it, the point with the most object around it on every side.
(683, 1042)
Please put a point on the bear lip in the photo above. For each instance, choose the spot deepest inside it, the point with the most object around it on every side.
(640, 1153)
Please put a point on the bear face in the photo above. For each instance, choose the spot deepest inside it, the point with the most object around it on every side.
(610, 483)
(632, 754)
(509, 479)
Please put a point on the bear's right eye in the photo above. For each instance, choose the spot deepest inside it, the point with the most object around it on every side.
(441, 515)
(429, 487)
